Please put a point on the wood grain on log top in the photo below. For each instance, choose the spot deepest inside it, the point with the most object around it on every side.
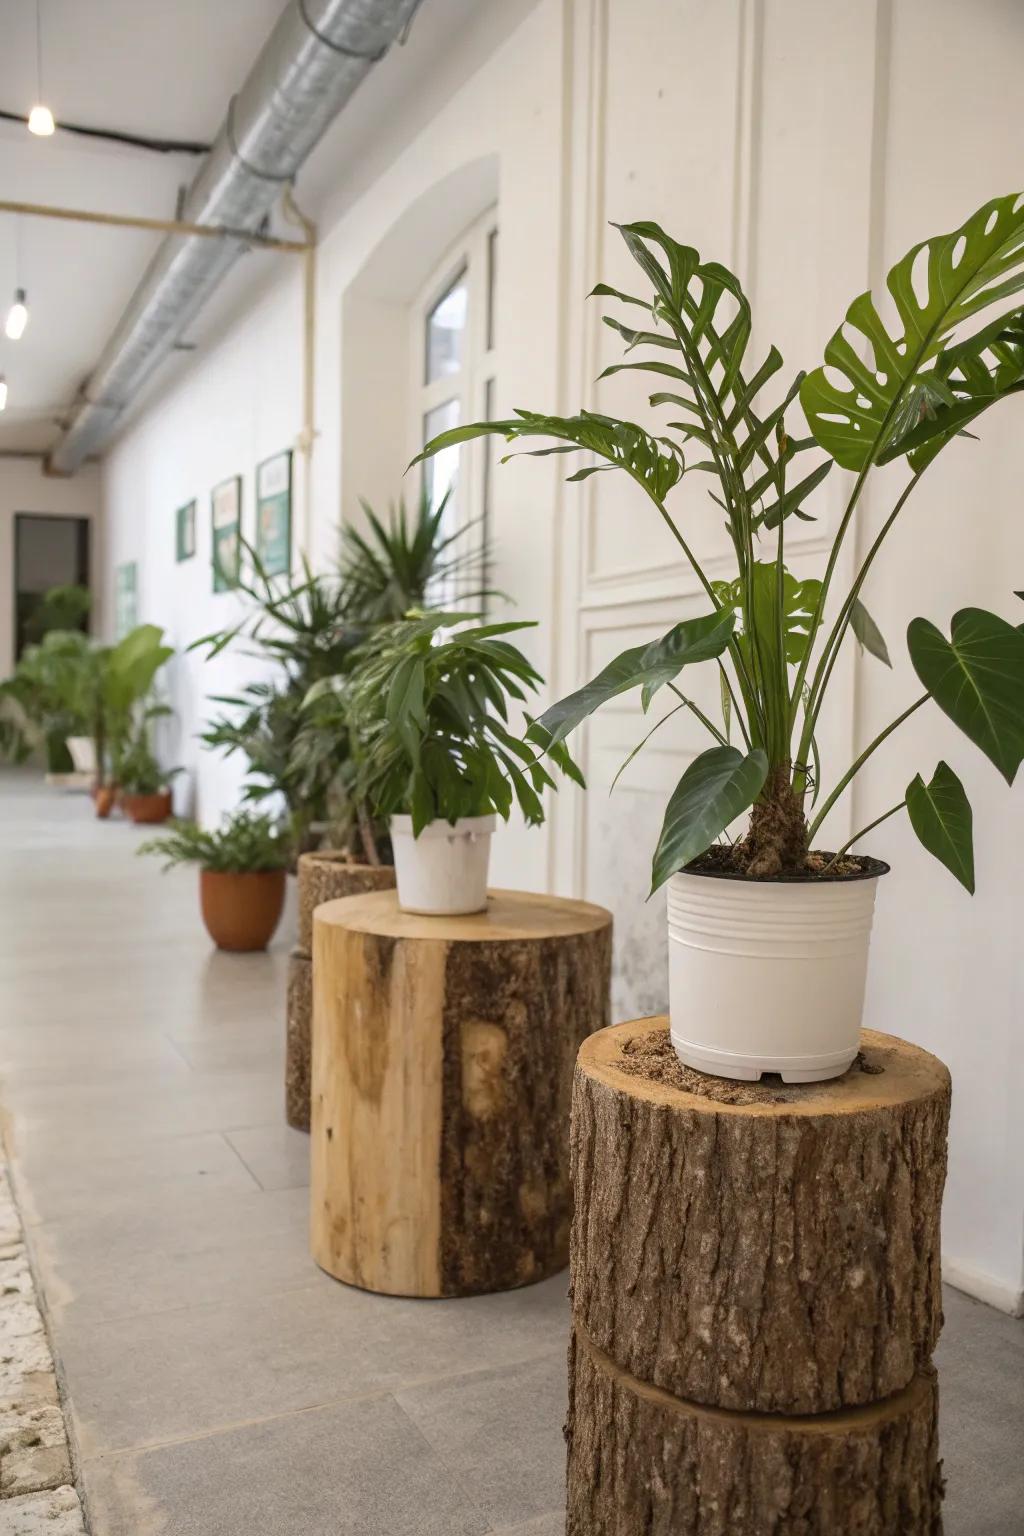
(510, 915)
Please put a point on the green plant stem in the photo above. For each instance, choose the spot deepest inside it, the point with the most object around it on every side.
(830, 653)
(749, 691)
(863, 833)
(735, 705)
(701, 716)
(855, 768)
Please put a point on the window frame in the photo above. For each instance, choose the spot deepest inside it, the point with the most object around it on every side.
(476, 257)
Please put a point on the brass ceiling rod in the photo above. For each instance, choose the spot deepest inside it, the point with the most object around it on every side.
(160, 226)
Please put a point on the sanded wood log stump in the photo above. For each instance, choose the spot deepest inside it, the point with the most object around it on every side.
(756, 1295)
(443, 1053)
(324, 875)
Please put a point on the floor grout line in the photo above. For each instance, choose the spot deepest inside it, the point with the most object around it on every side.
(226, 1138)
(375, 1394)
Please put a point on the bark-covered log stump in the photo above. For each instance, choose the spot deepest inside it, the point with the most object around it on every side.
(298, 1039)
(443, 1053)
(324, 875)
(328, 875)
(755, 1292)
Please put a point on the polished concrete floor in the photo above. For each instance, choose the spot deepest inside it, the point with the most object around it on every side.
(219, 1384)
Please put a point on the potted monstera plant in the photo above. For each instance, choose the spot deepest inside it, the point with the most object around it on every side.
(426, 713)
(769, 933)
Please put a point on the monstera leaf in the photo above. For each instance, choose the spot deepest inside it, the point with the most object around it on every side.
(647, 666)
(937, 287)
(716, 788)
(977, 678)
(940, 814)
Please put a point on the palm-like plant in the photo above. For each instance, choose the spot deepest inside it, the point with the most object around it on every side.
(398, 566)
(310, 630)
(886, 393)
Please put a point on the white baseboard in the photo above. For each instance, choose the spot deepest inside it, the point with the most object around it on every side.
(983, 1287)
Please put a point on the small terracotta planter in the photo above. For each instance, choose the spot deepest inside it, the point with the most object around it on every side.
(103, 799)
(146, 809)
(241, 911)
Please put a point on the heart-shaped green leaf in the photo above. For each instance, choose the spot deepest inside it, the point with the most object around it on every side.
(940, 814)
(716, 787)
(977, 678)
(649, 666)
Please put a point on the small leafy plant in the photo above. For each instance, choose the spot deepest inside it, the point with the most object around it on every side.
(245, 843)
(897, 389)
(309, 628)
(426, 709)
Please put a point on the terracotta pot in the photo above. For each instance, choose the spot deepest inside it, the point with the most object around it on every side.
(103, 799)
(241, 912)
(146, 808)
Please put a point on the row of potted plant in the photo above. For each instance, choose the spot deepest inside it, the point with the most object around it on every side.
(93, 706)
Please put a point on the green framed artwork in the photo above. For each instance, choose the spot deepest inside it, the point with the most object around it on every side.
(225, 521)
(274, 513)
(126, 598)
(185, 531)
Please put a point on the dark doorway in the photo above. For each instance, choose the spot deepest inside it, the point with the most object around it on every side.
(49, 551)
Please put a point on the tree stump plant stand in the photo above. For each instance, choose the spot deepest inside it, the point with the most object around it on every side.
(755, 1295)
(323, 876)
(443, 1052)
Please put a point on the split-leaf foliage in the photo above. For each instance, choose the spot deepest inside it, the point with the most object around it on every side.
(898, 384)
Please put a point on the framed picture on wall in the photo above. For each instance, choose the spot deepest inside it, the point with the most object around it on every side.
(185, 531)
(126, 598)
(274, 513)
(225, 520)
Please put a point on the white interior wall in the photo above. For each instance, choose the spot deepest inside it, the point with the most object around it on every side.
(24, 488)
(782, 136)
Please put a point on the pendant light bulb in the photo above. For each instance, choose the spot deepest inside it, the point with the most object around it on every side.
(17, 317)
(40, 122)
(3, 393)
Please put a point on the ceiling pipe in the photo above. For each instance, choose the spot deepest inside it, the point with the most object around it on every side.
(314, 59)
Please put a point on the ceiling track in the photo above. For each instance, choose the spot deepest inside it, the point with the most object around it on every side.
(315, 58)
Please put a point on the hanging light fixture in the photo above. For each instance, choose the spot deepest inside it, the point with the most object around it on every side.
(40, 119)
(3, 393)
(17, 316)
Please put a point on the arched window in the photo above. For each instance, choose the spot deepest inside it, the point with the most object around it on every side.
(454, 353)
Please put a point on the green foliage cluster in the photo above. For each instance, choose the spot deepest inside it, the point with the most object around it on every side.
(69, 685)
(309, 630)
(245, 843)
(427, 712)
(887, 391)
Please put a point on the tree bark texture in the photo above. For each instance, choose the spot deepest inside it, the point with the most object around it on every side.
(328, 875)
(324, 875)
(442, 1080)
(755, 1294)
(298, 1040)
(644, 1463)
(779, 1255)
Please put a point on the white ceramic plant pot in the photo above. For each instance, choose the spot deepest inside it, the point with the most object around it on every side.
(83, 753)
(768, 975)
(444, 870)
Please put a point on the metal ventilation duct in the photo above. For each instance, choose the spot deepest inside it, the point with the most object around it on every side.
(313, 60)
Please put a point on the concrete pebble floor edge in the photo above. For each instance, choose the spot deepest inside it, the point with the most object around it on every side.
(37, 1496)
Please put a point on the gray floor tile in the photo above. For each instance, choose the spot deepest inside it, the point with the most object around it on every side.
(547, 1525)
(357, 1469)
(65, 1185)
(276, 1155)
(173, 1246)
(501, 1432)
(168, 1374)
